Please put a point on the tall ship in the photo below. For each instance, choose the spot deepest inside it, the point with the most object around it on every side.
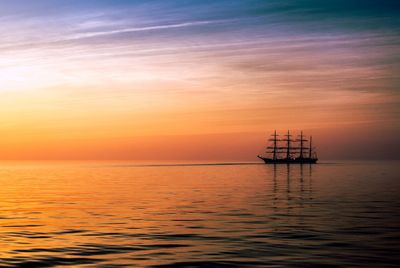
(288, 150)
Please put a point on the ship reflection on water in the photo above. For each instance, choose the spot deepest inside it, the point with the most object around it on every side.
(116, 215)
(292, 196)
(301, 173)
(346, 216)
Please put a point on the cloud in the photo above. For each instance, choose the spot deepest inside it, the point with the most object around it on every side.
(140, 29)
(176, 67)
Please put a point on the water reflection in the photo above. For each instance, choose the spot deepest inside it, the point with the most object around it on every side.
(196, 216)
(297, 184)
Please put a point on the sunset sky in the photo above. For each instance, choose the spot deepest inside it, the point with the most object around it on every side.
(197, 80)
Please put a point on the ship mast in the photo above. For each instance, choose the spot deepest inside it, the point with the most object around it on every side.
(301, 144)
(274, 147)
(288, 140)
(302, 140)
(310, 149)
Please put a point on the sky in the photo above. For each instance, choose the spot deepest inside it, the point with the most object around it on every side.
(197, 80)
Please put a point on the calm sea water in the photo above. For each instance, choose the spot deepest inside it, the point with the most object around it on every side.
(120, 214)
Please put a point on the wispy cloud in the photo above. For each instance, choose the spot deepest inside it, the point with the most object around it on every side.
(147, 28)
(232, 65)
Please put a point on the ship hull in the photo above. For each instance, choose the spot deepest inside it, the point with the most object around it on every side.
(289, 161)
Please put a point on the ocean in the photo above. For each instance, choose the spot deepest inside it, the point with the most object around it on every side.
(121, 214)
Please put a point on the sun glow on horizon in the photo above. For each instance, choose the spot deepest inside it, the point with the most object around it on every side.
(126, 80)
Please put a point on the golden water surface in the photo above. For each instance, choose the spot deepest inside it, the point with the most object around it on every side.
(111, 214)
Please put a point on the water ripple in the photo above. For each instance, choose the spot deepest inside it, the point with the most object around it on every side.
(337, 215)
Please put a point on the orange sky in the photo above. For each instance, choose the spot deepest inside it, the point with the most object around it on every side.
(94, 82)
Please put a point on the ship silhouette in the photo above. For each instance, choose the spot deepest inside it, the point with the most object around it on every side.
(282, 151)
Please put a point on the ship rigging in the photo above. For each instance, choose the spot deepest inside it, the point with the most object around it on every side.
(288, 153)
